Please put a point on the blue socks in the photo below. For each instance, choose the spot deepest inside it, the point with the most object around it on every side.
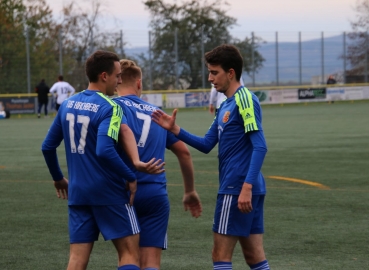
(129, 267)
(222, 265)
(260, 266)
(228, 266)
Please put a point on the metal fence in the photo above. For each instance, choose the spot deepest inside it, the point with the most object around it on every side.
(299, 58)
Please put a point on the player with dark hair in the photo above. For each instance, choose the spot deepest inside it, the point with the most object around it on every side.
(242, 148)
(89, 123)
(62, 90)
(151, 200)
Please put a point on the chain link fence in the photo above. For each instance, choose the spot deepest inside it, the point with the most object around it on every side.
(299, 58)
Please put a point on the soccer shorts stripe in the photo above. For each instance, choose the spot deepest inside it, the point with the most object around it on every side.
(224, 216)
(229, 220)
(133, 219)
(112, 221)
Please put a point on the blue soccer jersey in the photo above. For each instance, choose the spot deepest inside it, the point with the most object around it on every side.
(151, 200)
(151, 138)
(238, 130)
(89, 123)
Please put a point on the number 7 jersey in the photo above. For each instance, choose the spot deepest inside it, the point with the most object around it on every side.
(151, 138)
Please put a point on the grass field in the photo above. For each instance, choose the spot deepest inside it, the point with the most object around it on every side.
(317, 206)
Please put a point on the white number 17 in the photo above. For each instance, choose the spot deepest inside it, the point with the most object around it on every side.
(84, 120)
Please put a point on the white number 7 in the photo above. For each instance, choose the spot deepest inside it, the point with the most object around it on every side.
(84, 120)
(145, 128)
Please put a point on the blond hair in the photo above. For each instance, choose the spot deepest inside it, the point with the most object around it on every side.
(130, 71)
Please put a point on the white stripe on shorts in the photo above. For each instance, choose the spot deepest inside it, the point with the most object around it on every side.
(166, 241)
(224, 216)
(133, 219)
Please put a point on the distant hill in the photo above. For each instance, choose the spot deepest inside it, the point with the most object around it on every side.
(311, 59)
(288, 55)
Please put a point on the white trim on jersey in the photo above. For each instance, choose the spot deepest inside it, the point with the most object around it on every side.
(133, 219)
(224, 216)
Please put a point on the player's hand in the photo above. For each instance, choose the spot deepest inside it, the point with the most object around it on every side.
(154, 166)
(132, 188)
(61, 187)
(191, 201)
(244, 200)
(166, 121)
(211, 108)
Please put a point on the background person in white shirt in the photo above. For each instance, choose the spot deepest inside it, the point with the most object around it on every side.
(216, 98)
(62, 90)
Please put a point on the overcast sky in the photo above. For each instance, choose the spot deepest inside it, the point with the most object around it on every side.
(264, 17)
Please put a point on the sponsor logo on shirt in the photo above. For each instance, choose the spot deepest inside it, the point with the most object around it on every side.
(248, 116)
(226, 116)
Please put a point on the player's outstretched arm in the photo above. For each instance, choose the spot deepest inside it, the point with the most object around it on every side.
(61, 187)
(128, 143)
(191, 200)
(166, 121)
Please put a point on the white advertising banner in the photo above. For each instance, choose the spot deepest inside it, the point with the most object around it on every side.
(174, 101)
(347, 93)
(280, 96)
(155, 99)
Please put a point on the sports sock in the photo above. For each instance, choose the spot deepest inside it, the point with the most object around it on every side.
(260, 266)
(222, 265)
(129, 267)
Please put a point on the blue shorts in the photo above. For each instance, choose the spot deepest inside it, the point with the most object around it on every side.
(152, 208)
(229, 220)
(112, 221)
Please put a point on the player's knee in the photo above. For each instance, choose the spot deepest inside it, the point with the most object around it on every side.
(253, 256)
(217, 255)
(77, 262)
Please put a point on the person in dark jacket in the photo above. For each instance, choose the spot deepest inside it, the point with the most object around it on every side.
(331, 80)
(42, 91)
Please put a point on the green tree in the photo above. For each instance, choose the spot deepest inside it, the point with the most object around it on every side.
(12, 45)
(82, 34)
(193, 22)
(359, 45)
(18, 19)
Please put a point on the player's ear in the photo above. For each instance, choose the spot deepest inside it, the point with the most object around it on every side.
(139, 84)
(103, 76)
(231, 73)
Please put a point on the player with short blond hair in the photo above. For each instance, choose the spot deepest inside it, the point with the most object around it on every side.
(151, 200)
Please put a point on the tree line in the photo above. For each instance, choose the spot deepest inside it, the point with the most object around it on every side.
(180, 34)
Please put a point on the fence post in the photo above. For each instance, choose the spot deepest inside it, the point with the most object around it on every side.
(176, 56)
(122, 54)
(300, 60)
(202, 57)
(60, 52)
(150, 64)
(28, 62)
(276, 59)
(344, 57)
(252, 58)
(322, 54)
(366, 57)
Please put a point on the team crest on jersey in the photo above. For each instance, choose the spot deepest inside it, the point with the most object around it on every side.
(226, 116)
